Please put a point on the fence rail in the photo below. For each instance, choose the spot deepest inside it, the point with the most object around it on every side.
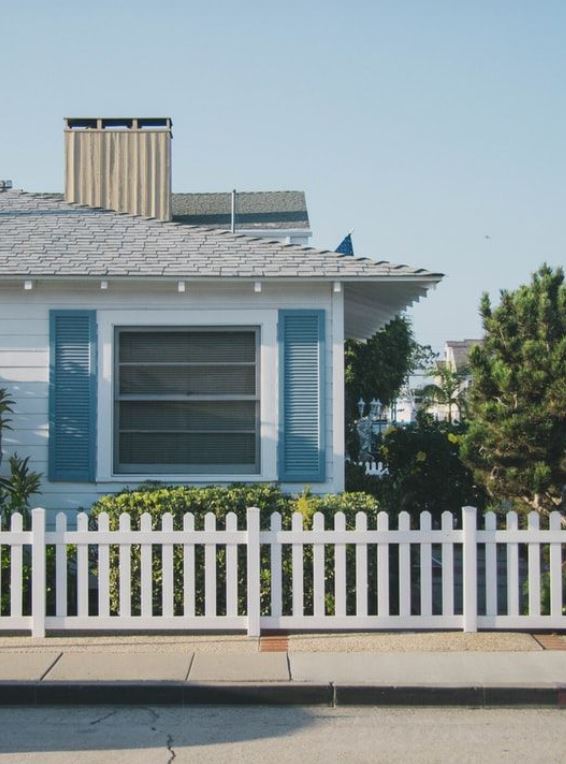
(348, 576)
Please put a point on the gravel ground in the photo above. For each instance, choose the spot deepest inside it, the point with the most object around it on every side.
(203, 643)
(237, 643)
(414, 642)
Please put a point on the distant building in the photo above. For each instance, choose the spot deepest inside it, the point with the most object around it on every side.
(457, 353)
(456, 358)
(404, 408)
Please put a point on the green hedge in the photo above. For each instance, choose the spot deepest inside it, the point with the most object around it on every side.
(157, 500)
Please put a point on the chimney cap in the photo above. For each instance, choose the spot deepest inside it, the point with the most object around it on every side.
(5, 185)
(101, 123)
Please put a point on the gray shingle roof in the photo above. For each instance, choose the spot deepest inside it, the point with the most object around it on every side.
(258, 209)
(41, 235)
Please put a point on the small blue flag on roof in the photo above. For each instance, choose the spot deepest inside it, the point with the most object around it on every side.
(346, 247)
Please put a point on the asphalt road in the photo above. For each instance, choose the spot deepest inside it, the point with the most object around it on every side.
(288, 734)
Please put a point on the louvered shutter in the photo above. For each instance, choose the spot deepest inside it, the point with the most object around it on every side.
(72, 396)
(301, 396)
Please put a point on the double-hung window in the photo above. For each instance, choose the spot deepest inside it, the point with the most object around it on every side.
(186, 401)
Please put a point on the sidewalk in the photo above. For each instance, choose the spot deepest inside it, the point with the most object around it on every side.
(338, 669)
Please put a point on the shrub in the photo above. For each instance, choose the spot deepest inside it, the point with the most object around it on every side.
(357, 480)
(16, 490)
(158, 500)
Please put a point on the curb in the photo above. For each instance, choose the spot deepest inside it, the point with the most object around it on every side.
(272, 694)
(479, 697)
(164, 693)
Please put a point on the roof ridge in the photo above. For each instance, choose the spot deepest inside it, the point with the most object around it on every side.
(228, 193)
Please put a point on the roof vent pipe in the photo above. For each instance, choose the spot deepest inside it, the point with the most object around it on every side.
(233, 212)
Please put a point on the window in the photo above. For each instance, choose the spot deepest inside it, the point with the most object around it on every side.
(186, 401)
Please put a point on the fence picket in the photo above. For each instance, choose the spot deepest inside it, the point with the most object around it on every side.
(534, 567)
(61, 568)
(146, 573)
(426, 567)
(103, 568)
(318, 567)
(470, 569)
(556, 595)
(340, 568)
(231, 568)
(188, 568)
(38, 575)
(276, 567)
(361, 567)
(82, 567)
(210, 569)
(115, 550)
(16, 569)
(447, 526)
(404, 568)
(125, 567)
(383, 568)
(490, 567)
(253, 561)
(297, 563)
(167, 590)
(512, 567)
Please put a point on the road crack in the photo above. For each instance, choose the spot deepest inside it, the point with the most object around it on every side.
(106, 716)
(170, 749)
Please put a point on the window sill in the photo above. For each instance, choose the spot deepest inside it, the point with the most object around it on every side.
(187, 478)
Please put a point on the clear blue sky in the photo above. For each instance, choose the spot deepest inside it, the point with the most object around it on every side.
(425, 125)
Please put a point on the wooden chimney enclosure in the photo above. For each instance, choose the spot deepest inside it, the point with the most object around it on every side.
(120, 164)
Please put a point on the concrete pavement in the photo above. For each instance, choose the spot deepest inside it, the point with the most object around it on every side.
(432, 669)
(336, 678)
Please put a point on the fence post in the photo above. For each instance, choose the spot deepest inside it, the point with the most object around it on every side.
(38, 574)
(253, 563)
(470, 569)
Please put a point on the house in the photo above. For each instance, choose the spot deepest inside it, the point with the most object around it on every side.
(137, 347)
(456, 360)
(404, 408)
(457, 353)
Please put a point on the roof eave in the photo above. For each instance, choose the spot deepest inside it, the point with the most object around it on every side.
(429, 278)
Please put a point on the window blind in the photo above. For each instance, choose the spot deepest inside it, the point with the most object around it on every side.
(186, 401)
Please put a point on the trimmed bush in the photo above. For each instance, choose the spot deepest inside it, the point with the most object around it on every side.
(157, 500)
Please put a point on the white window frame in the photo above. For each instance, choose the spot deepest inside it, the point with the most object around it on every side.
(266, 320)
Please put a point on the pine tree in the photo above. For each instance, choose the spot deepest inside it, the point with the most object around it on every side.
(516, 442)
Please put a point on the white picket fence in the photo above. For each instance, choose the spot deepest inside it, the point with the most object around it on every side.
(376, 469)
(252, 579)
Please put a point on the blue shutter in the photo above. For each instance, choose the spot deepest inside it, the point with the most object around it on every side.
(72, 395)
(301, 396)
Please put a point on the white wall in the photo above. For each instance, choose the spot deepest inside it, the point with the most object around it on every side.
(24, 359)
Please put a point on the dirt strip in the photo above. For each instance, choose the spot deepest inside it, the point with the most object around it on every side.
(551, 641)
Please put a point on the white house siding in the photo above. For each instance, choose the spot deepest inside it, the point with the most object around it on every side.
(24, 359)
